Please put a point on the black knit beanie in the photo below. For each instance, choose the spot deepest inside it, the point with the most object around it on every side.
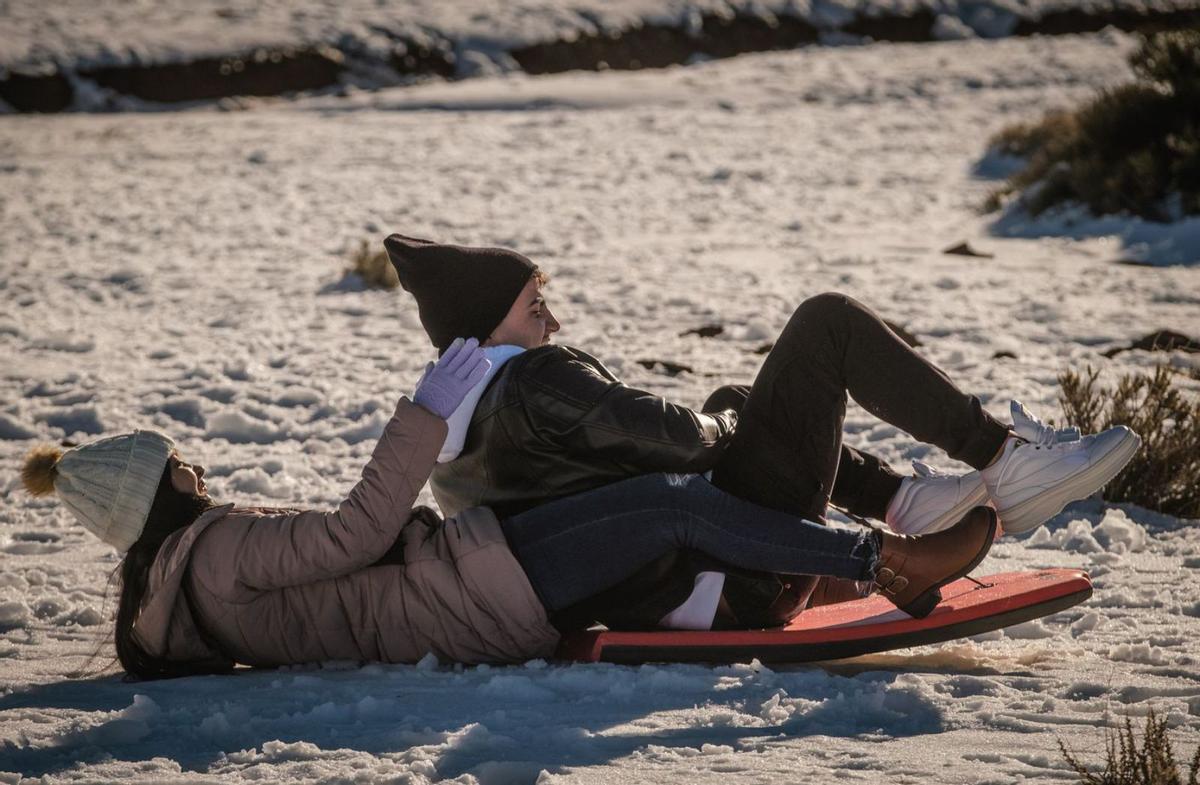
(462, 292)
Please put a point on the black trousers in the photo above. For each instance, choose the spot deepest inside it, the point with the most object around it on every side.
(863, 485)
(787, 452)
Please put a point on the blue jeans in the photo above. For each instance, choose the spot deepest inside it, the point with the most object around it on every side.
(578, 546)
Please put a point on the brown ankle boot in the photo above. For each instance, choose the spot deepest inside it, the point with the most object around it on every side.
(911, 570)
(830, 591)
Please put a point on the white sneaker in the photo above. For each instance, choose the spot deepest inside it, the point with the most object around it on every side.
(1041, 469)
(931, 501)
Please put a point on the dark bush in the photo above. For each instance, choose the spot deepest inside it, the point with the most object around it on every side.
(1130, 149)
(1125, 764)
(1164, 475)
(1172, 60)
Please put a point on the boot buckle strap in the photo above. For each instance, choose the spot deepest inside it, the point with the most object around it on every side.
(889, 583)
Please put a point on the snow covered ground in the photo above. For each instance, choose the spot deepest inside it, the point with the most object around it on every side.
(183, 271)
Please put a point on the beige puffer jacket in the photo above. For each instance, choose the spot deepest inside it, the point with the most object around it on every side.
(267, 588)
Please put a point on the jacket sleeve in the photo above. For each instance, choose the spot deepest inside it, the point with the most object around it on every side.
(571, 403)
(287, 550)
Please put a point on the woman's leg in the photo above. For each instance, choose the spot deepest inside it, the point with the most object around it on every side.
(786, 450)
(575, 547)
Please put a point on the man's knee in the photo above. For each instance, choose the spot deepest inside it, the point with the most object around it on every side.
(826, 305)
(825, 310)
(821, 317)
(816, 314)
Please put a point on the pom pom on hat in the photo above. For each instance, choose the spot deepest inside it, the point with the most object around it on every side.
(41, 469)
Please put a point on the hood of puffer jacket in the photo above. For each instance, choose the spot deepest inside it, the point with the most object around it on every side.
(165, 626)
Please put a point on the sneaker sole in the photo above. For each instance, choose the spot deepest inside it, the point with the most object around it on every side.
(953, 515)
(1035, 511)
(923, 604)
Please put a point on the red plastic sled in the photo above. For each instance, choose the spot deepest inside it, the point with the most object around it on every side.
(851, 628)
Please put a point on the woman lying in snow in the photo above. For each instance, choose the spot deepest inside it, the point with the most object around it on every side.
(205, 586)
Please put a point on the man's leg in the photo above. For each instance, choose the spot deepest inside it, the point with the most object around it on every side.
(786, 451)
(863, 484)
(574, 547)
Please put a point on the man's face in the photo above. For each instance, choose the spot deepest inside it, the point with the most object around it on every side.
(529, 323)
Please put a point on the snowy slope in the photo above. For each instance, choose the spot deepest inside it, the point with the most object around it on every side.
(183, 271)
(86, 32)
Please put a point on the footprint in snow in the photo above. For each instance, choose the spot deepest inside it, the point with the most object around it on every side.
(32, 543)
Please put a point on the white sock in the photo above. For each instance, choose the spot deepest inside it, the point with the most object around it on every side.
(897, 501)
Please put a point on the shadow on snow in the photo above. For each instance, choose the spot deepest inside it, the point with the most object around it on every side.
(547, 716)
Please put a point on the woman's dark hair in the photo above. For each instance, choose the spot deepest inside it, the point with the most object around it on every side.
(170, 512)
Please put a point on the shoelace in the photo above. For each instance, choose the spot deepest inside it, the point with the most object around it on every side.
(1036, 432)
(922, 469)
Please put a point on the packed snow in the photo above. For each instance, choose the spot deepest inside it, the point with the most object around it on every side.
(184, 271)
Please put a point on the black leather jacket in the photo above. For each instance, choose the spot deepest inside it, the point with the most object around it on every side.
(554, 422)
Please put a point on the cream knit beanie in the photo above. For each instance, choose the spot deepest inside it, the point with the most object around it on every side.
(109, 484)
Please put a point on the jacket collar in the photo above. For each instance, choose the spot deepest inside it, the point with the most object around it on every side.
(459, 422)
(164, 627)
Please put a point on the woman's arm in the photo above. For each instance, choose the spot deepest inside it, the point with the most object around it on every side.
(278, 551)
(286, 550)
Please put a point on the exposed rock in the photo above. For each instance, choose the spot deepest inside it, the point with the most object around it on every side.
(412, 58)
(1160, 341)
(658, 46)
(664, 366)
(49, 92)
(707, 331)
(262, 72)
(914, 28)
(1004, 354)
(1078, 20)
(765, 348)
(964, 249)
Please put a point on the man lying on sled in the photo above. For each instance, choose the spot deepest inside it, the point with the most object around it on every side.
(549, 421)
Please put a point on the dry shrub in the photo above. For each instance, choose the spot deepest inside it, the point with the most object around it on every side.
(374, 268)
(1127, 764)
(1164, 475)
(1025, 139)
(1133, 149)
(1171, 60)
